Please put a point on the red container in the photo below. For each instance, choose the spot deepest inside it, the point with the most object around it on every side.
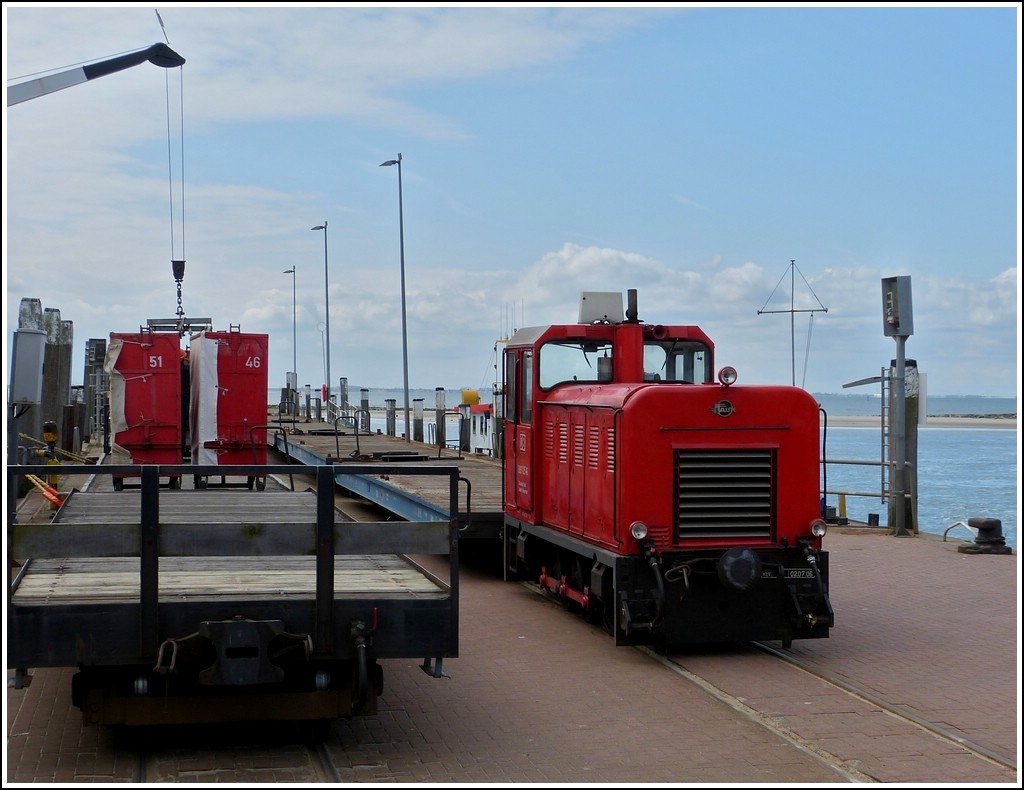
(146, 414)
(228, 405)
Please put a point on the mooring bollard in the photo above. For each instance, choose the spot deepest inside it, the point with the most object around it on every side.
(989, 539)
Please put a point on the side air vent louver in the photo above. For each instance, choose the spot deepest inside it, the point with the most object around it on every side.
(724, 493)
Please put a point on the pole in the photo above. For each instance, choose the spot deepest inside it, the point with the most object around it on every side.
(792, 319)
(405, 336)
(899, 442)
(405, 341)
(295, 352)
(295, 345)
(327, 319)
(912, 417)
(295, 371)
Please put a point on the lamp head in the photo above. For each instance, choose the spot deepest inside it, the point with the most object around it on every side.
(163, 56)
(319, 227)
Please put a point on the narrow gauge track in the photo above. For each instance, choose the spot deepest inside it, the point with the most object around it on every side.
(245, 754)
(842, 767)
(943, 734)
(939, 731)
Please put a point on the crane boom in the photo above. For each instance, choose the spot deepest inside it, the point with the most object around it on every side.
(158, 54)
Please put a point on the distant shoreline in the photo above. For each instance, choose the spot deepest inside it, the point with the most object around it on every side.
(934, 421)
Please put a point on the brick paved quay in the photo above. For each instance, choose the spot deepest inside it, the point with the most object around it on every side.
(538, 696)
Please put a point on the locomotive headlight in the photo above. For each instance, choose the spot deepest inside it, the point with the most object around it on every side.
(638, 530)
(819, 528)
(727, 375)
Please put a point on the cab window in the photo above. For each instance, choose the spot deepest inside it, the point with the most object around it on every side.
(678, 361)
(575, 360)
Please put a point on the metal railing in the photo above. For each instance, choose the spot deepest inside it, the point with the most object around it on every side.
(449, 442)
(882, 495)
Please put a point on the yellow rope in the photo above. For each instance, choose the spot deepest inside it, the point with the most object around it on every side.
(80, 458)
(48, 491)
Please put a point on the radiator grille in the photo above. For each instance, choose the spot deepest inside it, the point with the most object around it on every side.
(725, 493)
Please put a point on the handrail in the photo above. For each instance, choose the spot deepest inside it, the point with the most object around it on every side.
(969, 528)
(883, 495)
(268, 428)
(434, 438)
(291, 410)
(355, 426)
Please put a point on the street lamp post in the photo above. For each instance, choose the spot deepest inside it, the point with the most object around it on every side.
(294, 386)
(405, 341)
(323, 354)
(327, 318)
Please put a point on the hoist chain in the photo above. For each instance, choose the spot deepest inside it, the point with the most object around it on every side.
(178, 270)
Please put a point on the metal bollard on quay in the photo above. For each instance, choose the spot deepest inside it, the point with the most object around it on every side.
(989, 539)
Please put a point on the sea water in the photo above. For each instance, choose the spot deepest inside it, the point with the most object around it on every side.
(962, 473)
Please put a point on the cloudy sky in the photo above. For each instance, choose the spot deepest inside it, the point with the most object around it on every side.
(707, 157)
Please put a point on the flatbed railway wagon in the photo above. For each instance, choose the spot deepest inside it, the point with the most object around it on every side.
(181, 605)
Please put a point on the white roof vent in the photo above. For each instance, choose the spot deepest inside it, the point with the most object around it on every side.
(601, 307)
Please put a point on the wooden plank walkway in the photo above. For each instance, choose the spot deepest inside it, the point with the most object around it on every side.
(96, 580)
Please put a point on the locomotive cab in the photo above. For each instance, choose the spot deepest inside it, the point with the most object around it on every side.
(670, 506)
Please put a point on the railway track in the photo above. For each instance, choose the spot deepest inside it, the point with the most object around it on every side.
(948, 737)
(940, 731)
(250, 753)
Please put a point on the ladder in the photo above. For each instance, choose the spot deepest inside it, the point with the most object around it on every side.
(886, 449)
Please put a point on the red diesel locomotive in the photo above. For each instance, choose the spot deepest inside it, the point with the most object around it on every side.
(645, 494)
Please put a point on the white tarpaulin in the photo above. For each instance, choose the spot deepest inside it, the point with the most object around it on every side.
(205, 392)
(118, 421)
